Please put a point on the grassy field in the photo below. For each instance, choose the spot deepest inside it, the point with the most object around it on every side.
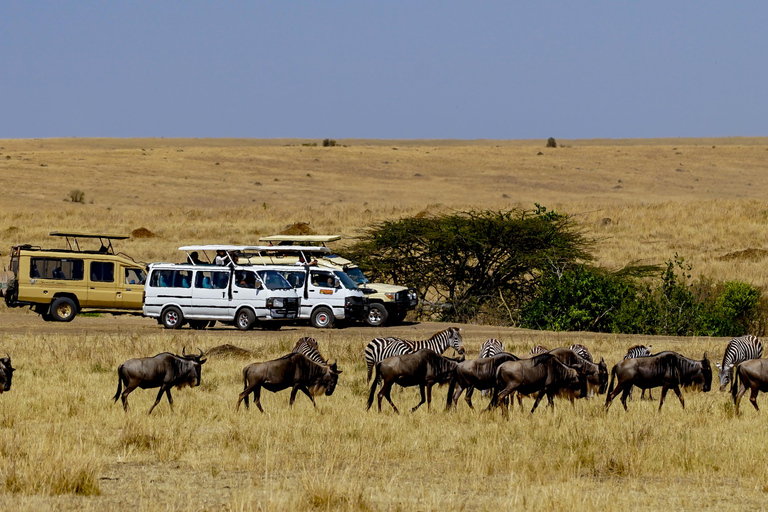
(64, 445)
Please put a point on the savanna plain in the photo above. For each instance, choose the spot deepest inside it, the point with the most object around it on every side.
(65, 445)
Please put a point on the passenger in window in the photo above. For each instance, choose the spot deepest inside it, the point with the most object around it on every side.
(57, 273)
(222, 258)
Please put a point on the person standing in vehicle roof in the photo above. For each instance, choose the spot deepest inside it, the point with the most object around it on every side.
(222, 258)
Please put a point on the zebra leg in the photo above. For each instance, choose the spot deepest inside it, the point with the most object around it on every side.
(423, 398)
(753, 398)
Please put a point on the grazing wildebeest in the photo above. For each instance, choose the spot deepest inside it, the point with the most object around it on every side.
(738, 350)
(294, 371)
(645, 373)
(543, 374)
(308, 347)
(474, 374)
(378, 349)
(597, 374)
(6, 373)
(693, 374)
(423, 368)
(753, 375)
(165, 371)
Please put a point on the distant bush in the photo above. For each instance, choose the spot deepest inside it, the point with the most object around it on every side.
(77, 196)
(551, 142)
(328, 142)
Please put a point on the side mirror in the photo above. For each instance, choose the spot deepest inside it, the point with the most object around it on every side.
(258, 285)
(337, 283)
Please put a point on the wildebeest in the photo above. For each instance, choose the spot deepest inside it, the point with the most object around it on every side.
(6, 373)
(597, 373)
(165, 371)
(753, 375)
(423, 368)
(293, 371)
(474, 374)
(693, 373)
(543, 374)
(645, 373)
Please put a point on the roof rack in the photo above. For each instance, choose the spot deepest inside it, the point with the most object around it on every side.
(292, 239)
(74, 245)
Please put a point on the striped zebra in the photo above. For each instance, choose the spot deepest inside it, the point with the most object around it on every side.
(538, 349)
(633, 353)
(379, 349)
(308, 347)
(737, 351)
(582, 352)
(491, 347)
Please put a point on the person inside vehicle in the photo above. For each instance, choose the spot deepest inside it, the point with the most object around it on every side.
(222, 258)
(194, 258)
(246, 280)
(302, 261)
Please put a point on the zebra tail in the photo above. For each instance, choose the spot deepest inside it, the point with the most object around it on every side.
(119, 384)
(369, 364)
(373, 386)
(734, 381)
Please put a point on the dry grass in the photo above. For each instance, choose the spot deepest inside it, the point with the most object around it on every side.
(63, 445)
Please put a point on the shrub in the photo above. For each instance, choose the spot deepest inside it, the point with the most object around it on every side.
(77, 196)
(328, 142)
(551, 142)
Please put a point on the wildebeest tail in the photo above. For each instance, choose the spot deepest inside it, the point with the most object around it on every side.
(451, 388)
(610, 386)
(734, 381)
(119, 383)
(374, 384)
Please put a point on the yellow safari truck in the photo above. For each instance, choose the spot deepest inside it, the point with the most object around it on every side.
(60, 283)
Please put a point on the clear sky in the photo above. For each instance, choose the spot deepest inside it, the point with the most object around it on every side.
(385, 69)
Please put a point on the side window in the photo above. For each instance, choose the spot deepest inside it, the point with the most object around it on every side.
(135, 276)
(211, 280)
(103, 271)
(56, 268)
(322, 279)
(245, 279)
(171, 279)
(295, 278)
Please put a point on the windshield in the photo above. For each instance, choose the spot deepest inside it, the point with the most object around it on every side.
(357, 275)
(348, 283)
(273, 280)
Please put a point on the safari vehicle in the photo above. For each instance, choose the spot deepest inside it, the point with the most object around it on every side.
(326, 295)
(388, 303)
(60, 283)
(197, 293)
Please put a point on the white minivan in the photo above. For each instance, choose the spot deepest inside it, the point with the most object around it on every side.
(197, 294)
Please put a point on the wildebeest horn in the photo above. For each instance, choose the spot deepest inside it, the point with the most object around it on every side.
(201, 352)
(183, 351)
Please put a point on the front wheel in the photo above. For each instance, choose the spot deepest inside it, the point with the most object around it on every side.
(172, 318)
(322, 318)
(63, 309)
(377, 315)
(245, 319)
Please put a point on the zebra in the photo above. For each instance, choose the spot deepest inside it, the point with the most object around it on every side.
(582, 352)
(633, 353)
(379, 349)
(538, 349)
(737, 351)
(491, 347)
(308, 348)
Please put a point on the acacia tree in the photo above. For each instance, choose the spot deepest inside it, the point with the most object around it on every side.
(472, 261)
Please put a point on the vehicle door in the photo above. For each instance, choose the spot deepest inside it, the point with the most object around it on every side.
(103, 290)
(322, 289)
(248, 289)
(210, 296)
(133, 287)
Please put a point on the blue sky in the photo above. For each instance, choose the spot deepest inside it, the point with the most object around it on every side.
(406, 70)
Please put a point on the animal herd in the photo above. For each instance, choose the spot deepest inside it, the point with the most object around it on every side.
(561, 372)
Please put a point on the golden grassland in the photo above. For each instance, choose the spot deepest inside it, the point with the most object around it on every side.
(63, 445)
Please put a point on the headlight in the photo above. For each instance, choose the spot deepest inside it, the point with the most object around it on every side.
(275, 302)
(390, 296)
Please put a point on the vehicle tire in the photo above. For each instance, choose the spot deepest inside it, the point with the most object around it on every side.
(46, 316)
(63, 309)
(377, 315)
(322, 318)
(245, 319)
(397, 318)
(172, 318)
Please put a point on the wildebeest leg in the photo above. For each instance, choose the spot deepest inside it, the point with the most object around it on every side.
(257, 397)
(306, 392)
(502, 397)
(753, 398)
(124, 397)
(468, 397)
(294, 390)
(384, 393)
(627, 393)
(244, 397)
(676, 389)
(664, 389)
(157, 400)
(613, 394)
(170, 398)
(737, 397)
(538, 399)
(423, 398)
